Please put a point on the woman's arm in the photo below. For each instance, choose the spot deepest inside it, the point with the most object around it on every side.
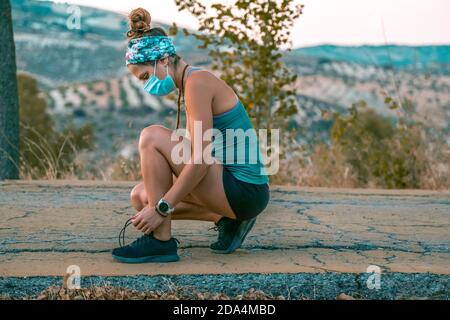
(198, 101)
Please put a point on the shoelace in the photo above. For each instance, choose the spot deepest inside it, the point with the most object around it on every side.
(219, 227)
(215, 228)
(122, 234)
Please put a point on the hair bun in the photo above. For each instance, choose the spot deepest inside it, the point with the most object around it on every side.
(139, 22)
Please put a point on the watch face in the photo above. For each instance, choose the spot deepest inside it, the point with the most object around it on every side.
(163, 207)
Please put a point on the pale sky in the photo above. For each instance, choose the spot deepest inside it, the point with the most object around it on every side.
(341, 22)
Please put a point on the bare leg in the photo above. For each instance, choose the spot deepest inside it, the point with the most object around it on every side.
(157, 176)
(157, 167)
(190, 209)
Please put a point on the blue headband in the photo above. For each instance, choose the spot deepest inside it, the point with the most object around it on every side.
(149, 48)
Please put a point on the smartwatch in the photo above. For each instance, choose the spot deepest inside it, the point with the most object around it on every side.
(163, 208)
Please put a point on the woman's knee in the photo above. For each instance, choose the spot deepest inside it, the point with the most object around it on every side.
(136, 197)
(152, 134)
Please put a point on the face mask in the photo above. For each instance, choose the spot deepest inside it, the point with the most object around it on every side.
(159, 87)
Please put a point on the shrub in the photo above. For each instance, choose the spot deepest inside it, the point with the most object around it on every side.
(371, 150)
(45, 152)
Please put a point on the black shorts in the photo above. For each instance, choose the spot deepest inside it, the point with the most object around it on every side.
(246, 199)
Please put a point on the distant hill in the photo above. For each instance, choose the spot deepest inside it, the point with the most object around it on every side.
(433, 59)
(83, 75)
(55, 54)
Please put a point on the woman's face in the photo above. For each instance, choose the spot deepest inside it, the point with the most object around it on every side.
(143, 71)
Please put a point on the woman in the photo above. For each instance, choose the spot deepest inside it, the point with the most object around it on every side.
(227, 193)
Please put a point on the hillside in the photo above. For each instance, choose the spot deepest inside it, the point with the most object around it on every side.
(83, 75)
(426, 59)
(56, 54)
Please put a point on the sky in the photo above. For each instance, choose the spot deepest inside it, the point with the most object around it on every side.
(339, 22)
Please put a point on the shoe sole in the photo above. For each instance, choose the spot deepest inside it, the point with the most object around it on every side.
(161, 258)
(239, 238)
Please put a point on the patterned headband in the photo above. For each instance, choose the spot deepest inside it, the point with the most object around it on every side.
(149, 48)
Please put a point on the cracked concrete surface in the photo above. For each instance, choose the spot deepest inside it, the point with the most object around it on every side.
(49, 225)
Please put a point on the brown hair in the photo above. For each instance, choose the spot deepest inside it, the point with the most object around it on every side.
(139, 21)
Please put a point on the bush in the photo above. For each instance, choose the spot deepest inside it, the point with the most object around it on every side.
(45, 152)
(370, 150)
(126, 169)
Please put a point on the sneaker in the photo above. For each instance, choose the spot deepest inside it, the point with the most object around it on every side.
(147, 249)
(232, 234)
(226, 228)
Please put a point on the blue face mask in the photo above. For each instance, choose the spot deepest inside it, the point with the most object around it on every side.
(159, 87)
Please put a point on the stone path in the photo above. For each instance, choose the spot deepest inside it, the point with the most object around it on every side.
(47, 226)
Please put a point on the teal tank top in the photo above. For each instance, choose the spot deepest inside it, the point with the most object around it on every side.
(238, 148)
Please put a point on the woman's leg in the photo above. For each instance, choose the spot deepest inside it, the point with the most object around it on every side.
(189, 209)
(155, 147)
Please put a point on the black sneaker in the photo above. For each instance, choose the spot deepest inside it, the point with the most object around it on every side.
(226, 228)
(147, 249)
(232, 234)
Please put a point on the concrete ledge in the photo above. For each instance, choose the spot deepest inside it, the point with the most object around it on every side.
(49, 225)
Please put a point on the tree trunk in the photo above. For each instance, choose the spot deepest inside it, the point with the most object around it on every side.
(9, 106)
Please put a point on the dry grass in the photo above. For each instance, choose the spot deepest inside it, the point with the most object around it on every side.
(178, 293)
(327, 168)
(114, 293)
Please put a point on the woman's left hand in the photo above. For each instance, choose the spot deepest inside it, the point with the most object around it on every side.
(147, 220)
